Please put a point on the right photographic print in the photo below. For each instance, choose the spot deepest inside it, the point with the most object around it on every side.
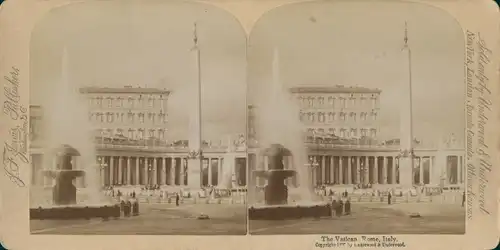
(356, 120)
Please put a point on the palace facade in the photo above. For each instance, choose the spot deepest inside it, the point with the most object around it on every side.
(343, 145)
(132, 148)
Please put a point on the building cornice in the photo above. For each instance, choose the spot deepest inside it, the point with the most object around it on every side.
(123, 90)
(333, 89)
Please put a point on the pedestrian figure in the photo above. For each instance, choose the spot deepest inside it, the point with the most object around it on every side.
(348, 207)
(177, 199)
(341, 208)
(389, 198)
(122, 206)
(334, 207)
(128, 208)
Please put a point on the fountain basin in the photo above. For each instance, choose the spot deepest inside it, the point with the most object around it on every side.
(289, 211)
(75, 212)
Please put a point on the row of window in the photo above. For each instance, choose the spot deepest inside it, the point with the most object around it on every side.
(141, 101)
(137, 134)
(342, 102)
(333, 116)
(346, 132)
(130, 117)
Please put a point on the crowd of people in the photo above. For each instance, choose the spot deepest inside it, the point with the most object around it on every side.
(124, 193)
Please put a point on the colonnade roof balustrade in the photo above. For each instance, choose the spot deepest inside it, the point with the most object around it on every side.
(156, 146)
(353, 145)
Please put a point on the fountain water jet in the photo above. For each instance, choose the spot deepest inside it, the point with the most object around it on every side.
(66, 123)
(281, 132)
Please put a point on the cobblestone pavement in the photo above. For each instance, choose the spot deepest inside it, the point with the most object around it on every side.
(157, 219)
(375, 219)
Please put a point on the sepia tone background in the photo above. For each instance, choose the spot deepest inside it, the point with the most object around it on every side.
(17, 24)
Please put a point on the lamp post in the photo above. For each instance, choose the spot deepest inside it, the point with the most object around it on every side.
(150, 176)
(361, 171)
(102, 166)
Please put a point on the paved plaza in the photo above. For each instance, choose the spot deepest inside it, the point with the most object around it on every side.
(375, 218)
(156, 219)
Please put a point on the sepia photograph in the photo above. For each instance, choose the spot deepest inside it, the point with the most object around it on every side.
(356, 120)
(137, 120)
(280, 124)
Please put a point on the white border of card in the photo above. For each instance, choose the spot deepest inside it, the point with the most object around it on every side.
(17, 19)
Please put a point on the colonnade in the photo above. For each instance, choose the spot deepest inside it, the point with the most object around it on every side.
(144, 170)
(332, 170)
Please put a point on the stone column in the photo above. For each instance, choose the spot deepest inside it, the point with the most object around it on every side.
(358, 170)
(421, 169)
(120, 170)
(394, 180)
(431, 169)
(147, 161)
(341, 170)
(129, 172)
(184, 173)
(323, 169)
(349, 170)
(171, 175)
(367, 170)
(137, 167)
(375, 170)
(163, 171)
(219, 169)
(384, 170)
(314, 175)
(460, 169)
(155, 172)
(209, 169)
(102, 170)
(111, 170)
(332, 169)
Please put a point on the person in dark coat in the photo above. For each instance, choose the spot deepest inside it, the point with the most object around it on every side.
(122, 207)
(348, 207)
(177, 198)
(334, 207)
(128, 208)
(340, 208)
(389, 198)
(135, 208)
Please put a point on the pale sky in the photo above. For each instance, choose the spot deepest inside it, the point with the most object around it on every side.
(328, 43)
(113, 44)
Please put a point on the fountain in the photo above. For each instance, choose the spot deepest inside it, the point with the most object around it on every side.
(276, 206)
(62, 112)
(64, 203)
(64, 192)
(280, 132)
(276, 192)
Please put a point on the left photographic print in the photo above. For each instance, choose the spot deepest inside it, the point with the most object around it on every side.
(138, 120)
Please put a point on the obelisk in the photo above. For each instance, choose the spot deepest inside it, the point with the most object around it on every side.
(195, 155)
(406, 119)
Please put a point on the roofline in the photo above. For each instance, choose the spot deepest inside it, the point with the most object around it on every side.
(333, 89)
(123, 90)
